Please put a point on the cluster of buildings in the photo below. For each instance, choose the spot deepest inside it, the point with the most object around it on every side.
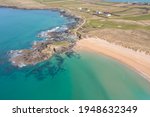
(97, 12)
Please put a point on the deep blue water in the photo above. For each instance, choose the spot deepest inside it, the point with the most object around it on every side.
(18, 28)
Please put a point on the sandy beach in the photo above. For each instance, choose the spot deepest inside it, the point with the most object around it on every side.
(137, 60)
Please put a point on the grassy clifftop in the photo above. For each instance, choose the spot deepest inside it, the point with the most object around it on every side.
(132, 21)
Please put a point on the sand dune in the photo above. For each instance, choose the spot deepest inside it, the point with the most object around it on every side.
(137, 60)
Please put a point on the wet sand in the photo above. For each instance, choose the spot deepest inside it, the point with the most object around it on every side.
(137, 60)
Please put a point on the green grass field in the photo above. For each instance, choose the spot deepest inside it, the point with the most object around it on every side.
(101, 24)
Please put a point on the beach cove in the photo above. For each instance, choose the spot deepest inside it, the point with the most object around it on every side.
(139, 61)
(81, 75)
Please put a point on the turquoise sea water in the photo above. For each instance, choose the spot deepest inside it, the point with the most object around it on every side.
(83, 75)
(141, 1)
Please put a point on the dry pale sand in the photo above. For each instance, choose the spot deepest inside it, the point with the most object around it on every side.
(137, 60)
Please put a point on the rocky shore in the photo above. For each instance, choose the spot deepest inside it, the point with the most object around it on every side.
(54, 41)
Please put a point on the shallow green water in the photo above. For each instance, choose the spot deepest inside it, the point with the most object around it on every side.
(79, 76)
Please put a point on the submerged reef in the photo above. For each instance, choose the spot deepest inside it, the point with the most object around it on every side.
(51, 67)
(55, 41)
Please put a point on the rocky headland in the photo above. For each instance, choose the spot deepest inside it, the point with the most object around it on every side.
(54, 41)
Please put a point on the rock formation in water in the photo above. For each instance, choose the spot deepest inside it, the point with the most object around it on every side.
(57, 40)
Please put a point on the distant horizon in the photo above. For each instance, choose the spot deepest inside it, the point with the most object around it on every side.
(141, 1)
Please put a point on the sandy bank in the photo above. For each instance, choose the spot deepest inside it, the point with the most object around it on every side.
(137, 60)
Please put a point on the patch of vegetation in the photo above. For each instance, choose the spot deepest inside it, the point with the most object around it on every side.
(141, 17)
(61, 43)
(110, 24)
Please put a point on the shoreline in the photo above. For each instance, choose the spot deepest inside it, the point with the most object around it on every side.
(47, 48)
(138, 61)
(85, 44)
(64, 12)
